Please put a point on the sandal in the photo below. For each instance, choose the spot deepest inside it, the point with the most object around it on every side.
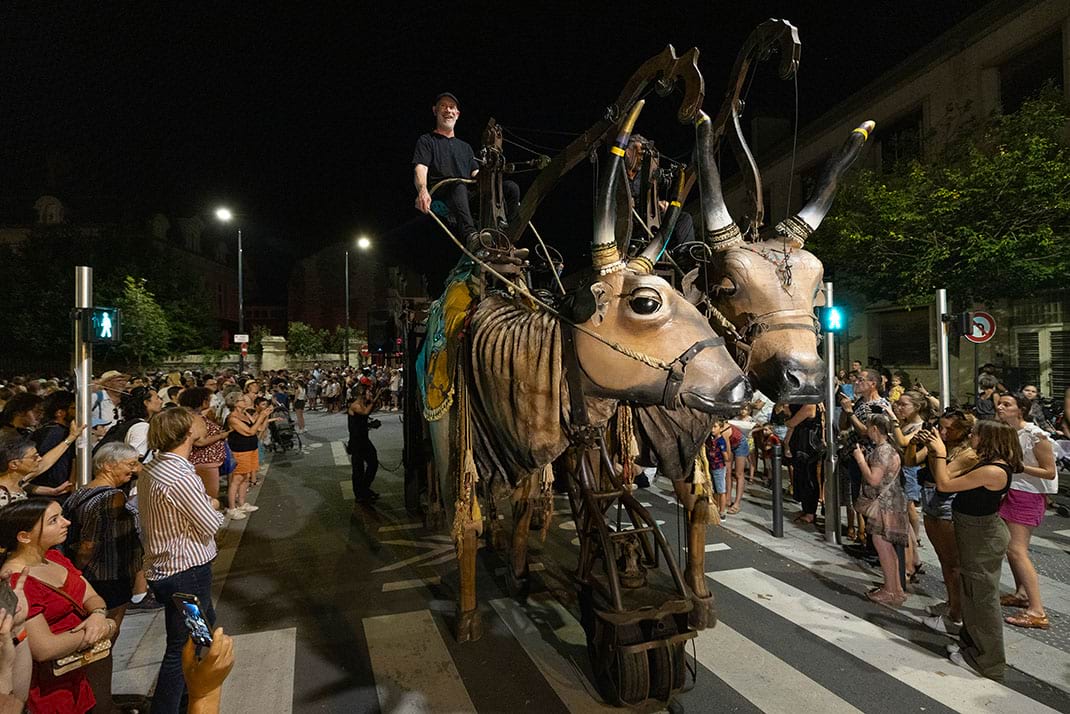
(883, 597)
(1024, 619)
(733, 510)
(1013, 600)
(851, 533)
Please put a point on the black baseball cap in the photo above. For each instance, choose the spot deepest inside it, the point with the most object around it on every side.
(451, 95)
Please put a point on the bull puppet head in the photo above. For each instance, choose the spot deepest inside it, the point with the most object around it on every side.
(768, 289)
(641, 312)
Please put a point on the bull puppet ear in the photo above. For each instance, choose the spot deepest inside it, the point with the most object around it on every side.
(602, 295)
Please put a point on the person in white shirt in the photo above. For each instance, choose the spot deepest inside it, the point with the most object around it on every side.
(1023, 508)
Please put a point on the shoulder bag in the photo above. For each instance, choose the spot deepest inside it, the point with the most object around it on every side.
(76, 660)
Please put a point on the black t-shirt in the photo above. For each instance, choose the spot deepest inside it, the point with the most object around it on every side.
(980, 501)
(46, 438)
(444, 157)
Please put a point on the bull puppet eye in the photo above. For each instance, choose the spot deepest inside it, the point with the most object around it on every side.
(645, 302)
(725, 288)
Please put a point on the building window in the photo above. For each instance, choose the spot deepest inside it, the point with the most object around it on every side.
(904, 337)
(900, 141)
(1024, 75)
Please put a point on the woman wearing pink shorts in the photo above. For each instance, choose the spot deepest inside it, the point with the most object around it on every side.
(1023, 508)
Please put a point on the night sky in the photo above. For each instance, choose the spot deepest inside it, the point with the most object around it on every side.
(304, 119)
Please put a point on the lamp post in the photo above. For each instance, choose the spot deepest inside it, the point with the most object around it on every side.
(225, 216)
(362, 243)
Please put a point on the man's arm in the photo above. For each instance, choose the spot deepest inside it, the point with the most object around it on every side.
(196, 506)
(423, 198)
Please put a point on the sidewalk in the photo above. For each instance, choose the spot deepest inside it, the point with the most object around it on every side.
(1044, 654)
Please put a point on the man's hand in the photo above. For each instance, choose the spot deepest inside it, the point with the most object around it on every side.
(204, 677)
(423, 201)
(845, 403)
(65, 487)
(76, 430)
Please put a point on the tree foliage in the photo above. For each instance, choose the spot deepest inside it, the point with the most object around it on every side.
(988, 216)
(146, 331)
(303, 340)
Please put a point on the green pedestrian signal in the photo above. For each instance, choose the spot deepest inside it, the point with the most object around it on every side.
(832, 319)
(103, 325)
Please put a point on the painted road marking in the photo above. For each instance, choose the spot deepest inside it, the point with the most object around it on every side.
(761, 677)
(566, 679)
(715, 547)
(413, 670)
(338, 451)
(912, 665)
(410, 584)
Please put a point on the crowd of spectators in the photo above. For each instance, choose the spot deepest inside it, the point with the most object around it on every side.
(143, 529)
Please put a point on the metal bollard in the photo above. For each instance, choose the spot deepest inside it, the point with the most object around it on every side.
(778, 493)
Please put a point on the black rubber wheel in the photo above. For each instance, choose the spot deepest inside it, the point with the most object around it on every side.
(621, 678)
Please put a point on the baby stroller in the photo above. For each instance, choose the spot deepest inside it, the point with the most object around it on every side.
(283, 434)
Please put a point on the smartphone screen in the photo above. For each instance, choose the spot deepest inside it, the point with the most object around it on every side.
(190, 607)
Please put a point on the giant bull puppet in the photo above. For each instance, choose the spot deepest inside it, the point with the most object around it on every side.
(629, 336)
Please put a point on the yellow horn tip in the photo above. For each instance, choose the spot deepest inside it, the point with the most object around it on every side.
(633, 116)
(703, 117)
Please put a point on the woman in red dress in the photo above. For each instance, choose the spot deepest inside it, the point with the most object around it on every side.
(29, 532)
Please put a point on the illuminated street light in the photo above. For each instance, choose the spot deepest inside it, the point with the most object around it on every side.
(224, 215)
(363, 243)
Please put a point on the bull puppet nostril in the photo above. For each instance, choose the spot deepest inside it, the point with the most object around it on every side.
(792, 379)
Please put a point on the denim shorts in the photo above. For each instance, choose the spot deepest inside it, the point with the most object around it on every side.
(911, 485)
(935, 504)
(742, 449)
(717, 476)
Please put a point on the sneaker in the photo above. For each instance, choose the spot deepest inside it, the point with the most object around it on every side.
(939, 608)
(236, 514)
(147, 603)
(953, 648)
(942, 624)
(248, 507)
(958, 659)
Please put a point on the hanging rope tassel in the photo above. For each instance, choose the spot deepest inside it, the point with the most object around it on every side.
(700, 486)
(467, 514)
(547, 500)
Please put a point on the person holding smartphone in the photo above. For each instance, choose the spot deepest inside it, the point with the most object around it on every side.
(244, 425)
(361, 449)
(982, 538)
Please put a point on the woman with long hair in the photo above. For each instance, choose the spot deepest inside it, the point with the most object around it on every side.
(58, 600)
(209, 447)
(300, 396)
(909, 413)
(138, 407)
(1023, 508)
(982, 538)
(883, 504)
(954, 427)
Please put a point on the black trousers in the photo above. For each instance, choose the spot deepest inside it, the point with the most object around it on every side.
(804, 476)
(365, 463)
(456, 198)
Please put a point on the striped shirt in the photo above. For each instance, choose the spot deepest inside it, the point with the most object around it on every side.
(178, 523)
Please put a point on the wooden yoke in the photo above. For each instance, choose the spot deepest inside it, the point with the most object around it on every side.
(664, 70)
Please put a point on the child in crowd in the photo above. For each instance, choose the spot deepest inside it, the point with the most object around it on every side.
(718, 455)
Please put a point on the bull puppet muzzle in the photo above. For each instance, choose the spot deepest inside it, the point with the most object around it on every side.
(705, 378)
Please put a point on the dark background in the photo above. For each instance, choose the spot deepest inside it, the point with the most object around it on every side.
(303, 120)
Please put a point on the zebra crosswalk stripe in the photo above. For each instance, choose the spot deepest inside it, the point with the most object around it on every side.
(912, 665)
(414, 672)
(762, 678)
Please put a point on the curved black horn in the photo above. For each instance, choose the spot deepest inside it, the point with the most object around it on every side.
(803, 224)
(604, 246)
(644, 262)
(719, 230)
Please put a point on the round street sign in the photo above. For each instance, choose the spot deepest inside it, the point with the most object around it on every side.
(982, 327)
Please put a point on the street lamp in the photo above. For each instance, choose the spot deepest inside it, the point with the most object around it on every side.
(225, 216)
(363, 244)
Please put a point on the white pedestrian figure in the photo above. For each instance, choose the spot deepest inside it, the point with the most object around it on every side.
(105, 325)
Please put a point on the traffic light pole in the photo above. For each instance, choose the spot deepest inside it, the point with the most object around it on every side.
(83, 373)
(832, 480)
(241, 304)
(943, 328)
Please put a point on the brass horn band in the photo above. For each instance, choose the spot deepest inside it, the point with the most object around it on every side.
(604, 253)
(719, 229)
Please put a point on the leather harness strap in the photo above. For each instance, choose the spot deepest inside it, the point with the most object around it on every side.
(676, 375)
(573, 377)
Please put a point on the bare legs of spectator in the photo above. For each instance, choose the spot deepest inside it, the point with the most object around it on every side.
(1027, 585)
(235, 490)
(892, 589)
(300, 413)
(209, 474)
(739, 471)
(942, 536)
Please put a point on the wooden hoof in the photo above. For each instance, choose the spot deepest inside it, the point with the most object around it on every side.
(704, 613)
(469, 626)
(518, 585)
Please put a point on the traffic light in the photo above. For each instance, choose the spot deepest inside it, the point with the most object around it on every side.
(103, 325)
(832, 319)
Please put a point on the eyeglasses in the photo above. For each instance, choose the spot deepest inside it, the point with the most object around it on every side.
(953, 411)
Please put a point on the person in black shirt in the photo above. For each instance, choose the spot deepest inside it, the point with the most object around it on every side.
(361, 450)
(55, 481)
(440, 154)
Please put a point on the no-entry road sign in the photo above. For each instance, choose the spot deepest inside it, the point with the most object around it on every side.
(982, 327)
